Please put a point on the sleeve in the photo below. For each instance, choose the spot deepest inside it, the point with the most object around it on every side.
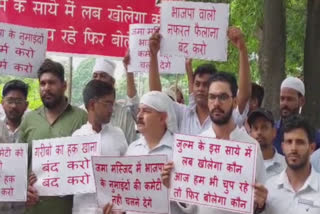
(239, 118)
(4, 134)
(192, 101)
(133, 104)
(122, 142)
(179, 111)
(315, 160)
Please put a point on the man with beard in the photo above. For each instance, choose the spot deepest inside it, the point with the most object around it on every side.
(14, 102)
(99, 98)
(292, 99)
(297, 189)
(262, 129)
(222, 99)
(56, 118)
(194, 119)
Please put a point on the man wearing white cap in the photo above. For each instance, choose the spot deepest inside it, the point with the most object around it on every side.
(123, 114)
(292, 99)
(156, 122)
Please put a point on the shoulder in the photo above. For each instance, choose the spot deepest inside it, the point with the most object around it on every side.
(133, 146)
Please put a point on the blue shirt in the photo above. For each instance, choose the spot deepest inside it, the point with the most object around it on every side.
(279, 138)
(315, 160)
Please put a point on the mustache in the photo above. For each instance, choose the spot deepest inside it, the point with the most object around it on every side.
(217, 109)
(140, 122)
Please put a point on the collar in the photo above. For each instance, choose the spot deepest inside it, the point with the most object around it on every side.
(312, 181)
(277, 159)
(9, 130)
(233, 135)
(166, 140)
(104, 127)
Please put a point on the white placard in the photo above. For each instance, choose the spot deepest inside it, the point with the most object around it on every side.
(13, 171)
(140, 54)
(195, 30)
(22, 50)
(63, 165)
(213, 172)
(131, 183)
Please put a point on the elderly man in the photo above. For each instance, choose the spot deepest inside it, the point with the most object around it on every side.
(292, 99)
(99, 97)
(157, 123)
(123, 113)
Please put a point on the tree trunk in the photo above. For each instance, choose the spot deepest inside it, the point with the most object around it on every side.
(312, 63)
(272, 53)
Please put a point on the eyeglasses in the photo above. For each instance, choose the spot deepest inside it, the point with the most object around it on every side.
(107, 104)
(221, 97)
(11, 101)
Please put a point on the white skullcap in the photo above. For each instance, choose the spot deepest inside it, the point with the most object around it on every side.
(160, 102)
(293, 83)
(104, 65)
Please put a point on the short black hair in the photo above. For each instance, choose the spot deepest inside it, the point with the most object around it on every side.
(257, 92)
(225, 77)
(206, 68)
(96, 89)
(299, 122)
(50, 66)
(15, 85)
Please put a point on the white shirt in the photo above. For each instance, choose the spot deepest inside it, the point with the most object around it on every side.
(113, 143)
(140, 147)
(240, 135)
(283, 199)
(189, 123)
(315, 160)
(275, 165)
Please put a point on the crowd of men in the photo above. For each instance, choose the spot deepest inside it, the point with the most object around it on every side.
(220, 107)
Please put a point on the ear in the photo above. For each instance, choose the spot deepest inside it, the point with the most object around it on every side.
(164, 117)
(64, 86)
(274, 133)
(302, 101)
(91, 105)
(235, 103)
(313, 147)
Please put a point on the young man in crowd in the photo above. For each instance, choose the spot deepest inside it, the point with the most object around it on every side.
(99, 98)
(262, 129)
(297, 188)
(195, 118)
(123, 114)
(56, 118)
(222, 99)
(14, 102)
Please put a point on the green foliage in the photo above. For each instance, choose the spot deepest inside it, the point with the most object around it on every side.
(80, 77)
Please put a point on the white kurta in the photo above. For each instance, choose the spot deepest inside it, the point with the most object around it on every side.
(113, 143)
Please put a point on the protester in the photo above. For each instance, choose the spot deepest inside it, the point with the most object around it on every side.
(157, 123)
(99, 98)
(14, 102)
(56, 118)
(297, 188)
(222, 99)
(261, 124)
(195, 118)
(292, 99)
(123, 114)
